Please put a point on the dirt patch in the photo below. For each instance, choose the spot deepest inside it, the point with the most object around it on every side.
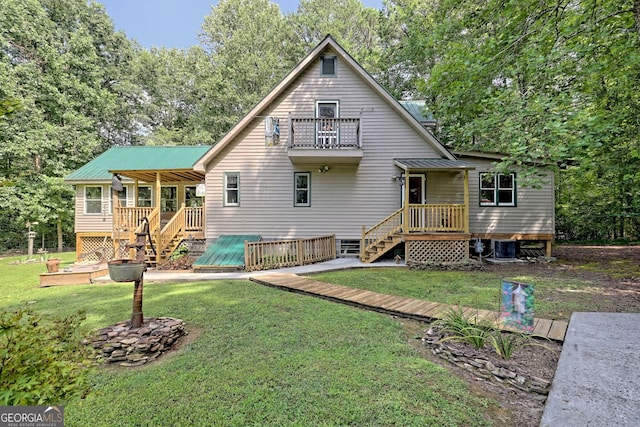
(615, 274)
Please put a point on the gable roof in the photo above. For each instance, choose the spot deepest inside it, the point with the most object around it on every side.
(302, 66)
(142, 162)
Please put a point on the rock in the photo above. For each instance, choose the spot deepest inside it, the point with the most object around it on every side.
(134, 347)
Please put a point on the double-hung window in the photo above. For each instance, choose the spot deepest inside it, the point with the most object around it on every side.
(93, 200)
(232, 189)
(144, 197)
(302, 189)
(497, 189)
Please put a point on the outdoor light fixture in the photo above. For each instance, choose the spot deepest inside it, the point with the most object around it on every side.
(399, 179)
(324, 169)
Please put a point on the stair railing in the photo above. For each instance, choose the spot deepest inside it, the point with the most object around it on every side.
(174, 227)
(379, 232)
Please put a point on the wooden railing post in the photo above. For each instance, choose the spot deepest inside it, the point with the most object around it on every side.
(300, 252)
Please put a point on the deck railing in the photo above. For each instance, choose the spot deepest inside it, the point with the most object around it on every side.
(265, 255)
(128, 219)
(436, 218)
(324, 133)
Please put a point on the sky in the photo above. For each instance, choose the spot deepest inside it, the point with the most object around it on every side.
(173, 23)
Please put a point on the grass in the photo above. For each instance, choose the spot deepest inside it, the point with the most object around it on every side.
(259, 356)
(477, 289)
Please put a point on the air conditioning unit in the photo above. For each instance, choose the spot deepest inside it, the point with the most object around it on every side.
(504, 248)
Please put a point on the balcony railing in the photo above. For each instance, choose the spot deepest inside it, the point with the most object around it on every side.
(325, 133)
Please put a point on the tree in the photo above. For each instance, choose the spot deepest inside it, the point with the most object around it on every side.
(64, 63)
(545, 82)
(249, 46)
(352, 25)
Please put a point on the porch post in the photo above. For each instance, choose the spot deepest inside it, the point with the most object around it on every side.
(466, 201)
(406, 222)
(135, 192)
(159, 206)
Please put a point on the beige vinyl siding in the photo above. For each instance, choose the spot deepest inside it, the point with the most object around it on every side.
(85, 223)
(343, 199)
(534, 213)
(445, 187)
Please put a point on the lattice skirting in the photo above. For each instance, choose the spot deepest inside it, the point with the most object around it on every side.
(95, 248)
(437, 250)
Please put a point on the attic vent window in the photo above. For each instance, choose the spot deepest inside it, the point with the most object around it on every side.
(328, 66)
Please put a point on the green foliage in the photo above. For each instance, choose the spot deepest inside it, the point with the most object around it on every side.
(463, 328)
(506, 344)
(544, 82)
(42, 361)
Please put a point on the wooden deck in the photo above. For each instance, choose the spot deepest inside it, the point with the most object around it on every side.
(399, 306)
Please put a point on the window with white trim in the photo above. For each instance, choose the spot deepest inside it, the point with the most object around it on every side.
(144, 197)
(232, 189)
(93, 200)
(328, 66)
(497, 189)
(302, 189)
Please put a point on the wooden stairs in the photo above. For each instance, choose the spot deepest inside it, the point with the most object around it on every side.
(381, 247)
(381, 238)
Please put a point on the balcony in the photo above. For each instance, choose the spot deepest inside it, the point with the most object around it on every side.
(332, 141)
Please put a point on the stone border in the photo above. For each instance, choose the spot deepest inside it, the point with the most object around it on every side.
(485, 370)
(122, 345)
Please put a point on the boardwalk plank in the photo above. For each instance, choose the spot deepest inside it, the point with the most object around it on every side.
(542, 327)
(553, 329)
(558, 330)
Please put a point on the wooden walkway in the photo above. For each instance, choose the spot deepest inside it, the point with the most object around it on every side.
(399, 306)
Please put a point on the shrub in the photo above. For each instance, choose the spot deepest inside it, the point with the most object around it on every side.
(42, 362)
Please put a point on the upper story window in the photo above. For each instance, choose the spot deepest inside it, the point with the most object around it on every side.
(328, 65)
(232, 189)
(93, 200)
(497, 189)
(144, 197)
(302, 190)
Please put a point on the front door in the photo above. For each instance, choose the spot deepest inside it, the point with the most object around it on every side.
(417, 190)
(326, 128)
(417, 196)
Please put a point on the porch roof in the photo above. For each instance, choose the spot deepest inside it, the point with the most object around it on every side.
(143, 163)
(432, 164)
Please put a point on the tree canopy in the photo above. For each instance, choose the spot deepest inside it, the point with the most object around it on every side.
(543, 82)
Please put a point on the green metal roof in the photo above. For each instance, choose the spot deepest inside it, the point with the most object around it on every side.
(138, 158)
(432, 164)
(226, 251)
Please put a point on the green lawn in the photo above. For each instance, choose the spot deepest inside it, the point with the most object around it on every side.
(476, 289)
(257, 356)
